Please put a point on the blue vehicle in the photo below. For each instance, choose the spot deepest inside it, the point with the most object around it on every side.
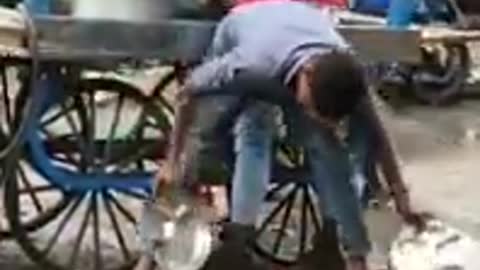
(405, 12)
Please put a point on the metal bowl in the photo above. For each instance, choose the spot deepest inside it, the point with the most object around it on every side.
(176, 234)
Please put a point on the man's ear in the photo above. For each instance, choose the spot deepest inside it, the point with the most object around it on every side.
(308, 68)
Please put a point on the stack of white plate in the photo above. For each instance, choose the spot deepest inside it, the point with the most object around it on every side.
(440, 248)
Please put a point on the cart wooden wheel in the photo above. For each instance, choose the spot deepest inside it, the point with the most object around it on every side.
(442, 78)
(286, 234)
(30, 193)
(291, 219)
(101, 158)
(34, 210)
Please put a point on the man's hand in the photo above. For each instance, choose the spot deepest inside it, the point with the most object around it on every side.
(404, 209)
(164, 178)
(391, 171)
(168, 172)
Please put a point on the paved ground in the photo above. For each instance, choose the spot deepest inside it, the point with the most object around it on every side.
(441, 155)
(439, 152)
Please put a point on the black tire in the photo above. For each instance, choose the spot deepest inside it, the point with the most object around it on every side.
(448, 78)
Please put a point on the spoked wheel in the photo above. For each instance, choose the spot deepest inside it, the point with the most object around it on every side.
(79, 237)
(31, 192)
(7, 96)
(8, 93)
(291, 219)
(39, 201)
(101, 158)
(169, 78)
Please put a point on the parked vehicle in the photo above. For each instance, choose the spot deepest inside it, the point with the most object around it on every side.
(441, 77)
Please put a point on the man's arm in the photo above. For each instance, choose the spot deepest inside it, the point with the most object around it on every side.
(218, 68)
(184, 111)
(391, 170)
(384, 149)
(212, 73)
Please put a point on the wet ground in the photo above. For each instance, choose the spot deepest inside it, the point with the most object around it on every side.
(439, 152)
(440, 156)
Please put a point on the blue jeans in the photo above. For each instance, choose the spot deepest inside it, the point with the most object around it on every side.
(332, 169)
(332, 166)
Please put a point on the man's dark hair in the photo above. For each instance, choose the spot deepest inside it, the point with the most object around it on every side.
(338, 84)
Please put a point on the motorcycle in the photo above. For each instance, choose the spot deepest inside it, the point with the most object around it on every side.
(441, 76)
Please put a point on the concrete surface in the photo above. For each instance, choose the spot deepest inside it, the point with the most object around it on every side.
(441, 159)
(439, 149)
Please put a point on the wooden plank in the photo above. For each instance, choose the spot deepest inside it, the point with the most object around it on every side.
(13, 52)
(12, 19)
(66, 38)
(346, 17)
(378, 43)
(444, 34)
(12, 27)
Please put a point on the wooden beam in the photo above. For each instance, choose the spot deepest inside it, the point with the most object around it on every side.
(378, 43)
(449, 35)
(12, 27)
(69, 37)
(79, 39)
(349, 18)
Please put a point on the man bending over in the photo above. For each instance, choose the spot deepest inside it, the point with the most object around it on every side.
(295, 46)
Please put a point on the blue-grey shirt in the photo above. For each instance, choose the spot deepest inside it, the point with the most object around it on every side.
(271, 38)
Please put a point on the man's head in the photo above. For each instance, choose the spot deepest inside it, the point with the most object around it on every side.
(331, 85)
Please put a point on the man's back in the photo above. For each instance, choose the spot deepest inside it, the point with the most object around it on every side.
(272, 20)
(270, 35)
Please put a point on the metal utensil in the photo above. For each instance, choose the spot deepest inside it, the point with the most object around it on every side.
(175, 232)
